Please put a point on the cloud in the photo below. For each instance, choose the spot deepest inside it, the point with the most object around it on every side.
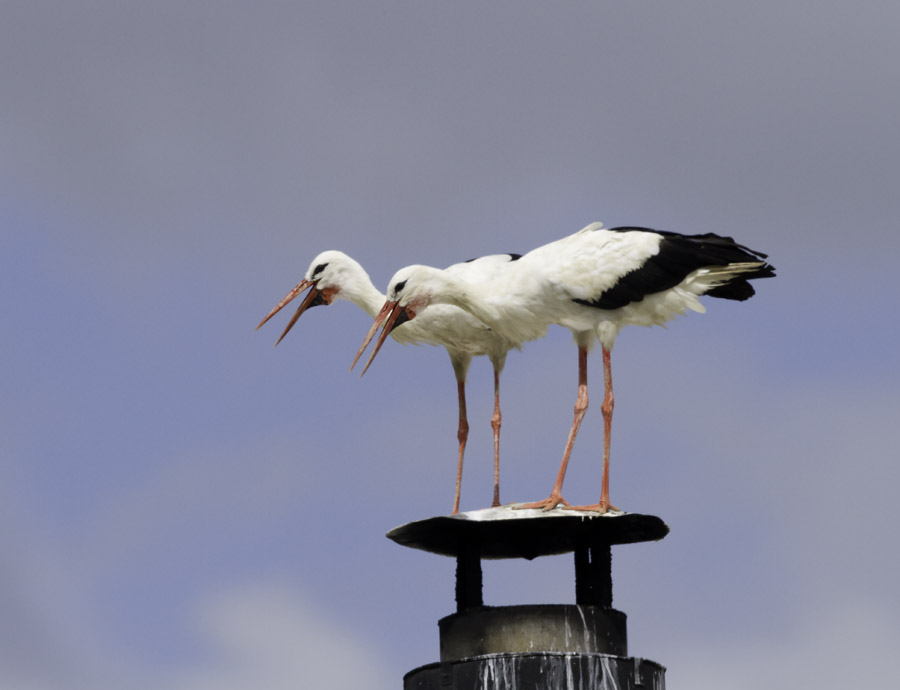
(842, 643)
(269, 635)
(50, 638)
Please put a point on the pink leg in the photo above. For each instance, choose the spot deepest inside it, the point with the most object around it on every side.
(495, 424)
(609, 402)
(462, 435)
(607, 409)
(581, 405)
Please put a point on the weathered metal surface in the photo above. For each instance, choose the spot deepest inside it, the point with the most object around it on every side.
(537, 647)
(546, 671)
(508, 533)
(564, 628)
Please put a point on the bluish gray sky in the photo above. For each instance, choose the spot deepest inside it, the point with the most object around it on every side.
(183, 507)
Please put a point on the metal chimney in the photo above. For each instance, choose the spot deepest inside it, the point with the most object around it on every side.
(581, 646)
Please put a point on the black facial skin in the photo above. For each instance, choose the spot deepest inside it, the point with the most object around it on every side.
(318, 301)
(402, 318)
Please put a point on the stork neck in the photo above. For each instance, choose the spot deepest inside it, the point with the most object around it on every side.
(460, 294)
(364, 295)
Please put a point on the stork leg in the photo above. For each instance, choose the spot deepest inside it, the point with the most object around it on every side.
(462, 436)
(607, 408)
(495, 425)
(581, 405)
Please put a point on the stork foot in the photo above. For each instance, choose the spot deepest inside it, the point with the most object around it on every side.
(547, 504)
(602, 507)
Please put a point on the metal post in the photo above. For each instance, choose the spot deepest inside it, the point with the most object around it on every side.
(593, 572)
(468, 577)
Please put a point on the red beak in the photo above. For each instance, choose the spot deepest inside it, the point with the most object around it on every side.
(392, 315)
(313, 298)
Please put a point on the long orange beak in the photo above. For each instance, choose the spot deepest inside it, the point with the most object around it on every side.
(313, 298)
(392, 315)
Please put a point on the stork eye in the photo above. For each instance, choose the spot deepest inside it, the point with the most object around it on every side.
(398, 288)
(318, 269)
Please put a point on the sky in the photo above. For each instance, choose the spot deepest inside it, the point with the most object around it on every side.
(184, 507)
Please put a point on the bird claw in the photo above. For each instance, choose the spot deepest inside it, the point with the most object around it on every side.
(547, 504)
(595, 508)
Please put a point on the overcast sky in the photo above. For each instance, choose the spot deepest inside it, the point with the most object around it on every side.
(183, 507)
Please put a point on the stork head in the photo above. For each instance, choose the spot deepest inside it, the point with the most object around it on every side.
(411, 290)
(328, 274)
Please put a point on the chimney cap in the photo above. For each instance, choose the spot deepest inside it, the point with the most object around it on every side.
(504, 532)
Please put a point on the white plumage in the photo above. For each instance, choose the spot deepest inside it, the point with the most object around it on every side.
(334, 275)
(593, 282)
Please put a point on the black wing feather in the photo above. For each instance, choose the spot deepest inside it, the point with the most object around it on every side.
(678, 257)
(512, 257)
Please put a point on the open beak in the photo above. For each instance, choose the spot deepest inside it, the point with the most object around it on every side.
(314, 298)
(391, 315)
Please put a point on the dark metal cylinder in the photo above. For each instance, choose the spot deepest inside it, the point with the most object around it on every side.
(564, 628)
(545, 671)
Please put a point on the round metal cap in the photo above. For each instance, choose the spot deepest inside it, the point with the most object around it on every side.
(505, 532)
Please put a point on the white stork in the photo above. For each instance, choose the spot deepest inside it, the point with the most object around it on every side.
(334, 275)
(593, 282)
